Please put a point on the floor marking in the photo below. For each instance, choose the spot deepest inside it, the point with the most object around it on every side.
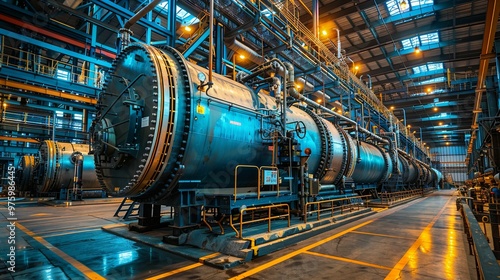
(69, 232)
(347, 260)
(396, 270)
(297, 252)
(114, 225)
(41, 214)
(185, 268)
(76, 264)
(44, 219)
(44, 233)
(383, 235)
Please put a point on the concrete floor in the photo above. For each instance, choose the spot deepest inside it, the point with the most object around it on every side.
(422, 239)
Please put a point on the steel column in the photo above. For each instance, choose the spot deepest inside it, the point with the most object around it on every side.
(221, 52)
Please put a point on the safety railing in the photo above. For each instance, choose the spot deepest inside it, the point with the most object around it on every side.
(337, 65)
(328, 208)
(487, 266)
(390, 198)
(241, 166)
(71, 125)
(271, 178)
(30, 61)
(253, 212)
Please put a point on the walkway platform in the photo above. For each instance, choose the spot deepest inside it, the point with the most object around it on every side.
(421, 239)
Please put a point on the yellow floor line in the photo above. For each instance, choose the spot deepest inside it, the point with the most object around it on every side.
(383, 235)
(347, 260)
(296, 252)
(396, 270)
(76, 264)
(45, 233)
(185, 268)
(114, 225)
(69, 232)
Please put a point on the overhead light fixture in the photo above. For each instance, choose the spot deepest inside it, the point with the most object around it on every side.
(417, 50)
(187, 28)
(242, 56)
(403, 5)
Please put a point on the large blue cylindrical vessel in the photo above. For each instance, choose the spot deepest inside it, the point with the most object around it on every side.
(161, 128)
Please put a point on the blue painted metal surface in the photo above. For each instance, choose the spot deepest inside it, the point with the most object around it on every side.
(197, 43)
(38, 43)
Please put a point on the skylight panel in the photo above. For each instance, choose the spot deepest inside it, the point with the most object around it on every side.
(421, 40)
(435, 66)
(429, 38)
(431, 81)
(395, 8)
(428, 67)
(392, 7)
(421, 3)
(182, 15)
(410, 43)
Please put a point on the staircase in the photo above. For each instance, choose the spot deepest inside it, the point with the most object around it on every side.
(131, 209)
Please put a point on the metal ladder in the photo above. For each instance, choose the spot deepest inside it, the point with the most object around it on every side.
(131, 209)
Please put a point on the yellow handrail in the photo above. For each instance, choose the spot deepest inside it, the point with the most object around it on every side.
(332, 206)
(269, 218)
(46, 66)
(236, 178)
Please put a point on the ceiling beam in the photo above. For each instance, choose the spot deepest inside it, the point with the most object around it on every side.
(436, 25)
(445, 58)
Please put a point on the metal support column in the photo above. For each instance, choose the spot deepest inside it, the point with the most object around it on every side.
(171, 22)
(220, 51)
(497, 62)
(149, 216)
(95, 12)
(495, 150)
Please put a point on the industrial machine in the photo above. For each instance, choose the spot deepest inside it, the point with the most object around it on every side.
(65, 169)
(172, 133)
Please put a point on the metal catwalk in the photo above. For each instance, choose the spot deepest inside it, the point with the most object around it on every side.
(422, 239)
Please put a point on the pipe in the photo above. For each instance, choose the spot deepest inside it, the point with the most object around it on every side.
(295, 94)
(490, 27)
(125, 32)
(53, 35)
(50, 92)
(339, 55)
(309, 87)
(77, 158)
(239, 47)
(393, 151)
(54, 127)
(211, 44)
(315, 16)
(141, 13)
